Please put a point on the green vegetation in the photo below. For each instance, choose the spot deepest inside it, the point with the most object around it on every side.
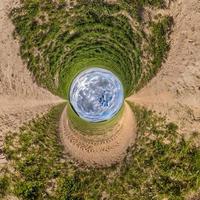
(157, 48)
(4, 184)
(36, 153)
(160, 165)
(58, 42)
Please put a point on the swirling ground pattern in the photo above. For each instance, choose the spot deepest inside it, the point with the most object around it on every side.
(59, 40)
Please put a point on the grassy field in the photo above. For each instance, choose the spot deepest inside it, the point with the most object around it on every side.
(58, 42)
(160, 165)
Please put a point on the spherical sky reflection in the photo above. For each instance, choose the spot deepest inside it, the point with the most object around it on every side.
(96, 94)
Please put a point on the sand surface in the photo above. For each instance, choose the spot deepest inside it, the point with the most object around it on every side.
(103, 150)
(175, 90)
(20, 98)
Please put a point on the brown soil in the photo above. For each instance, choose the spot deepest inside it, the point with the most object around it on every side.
(102, 150)
(175, 90)
(20, 98)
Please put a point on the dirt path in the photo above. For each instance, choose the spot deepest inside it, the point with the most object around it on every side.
(100, 151)
(175, 91)
(20, 98)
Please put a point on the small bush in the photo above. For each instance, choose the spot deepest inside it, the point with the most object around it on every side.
(4, 185)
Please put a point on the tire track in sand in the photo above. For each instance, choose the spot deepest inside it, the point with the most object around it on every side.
(108, 149)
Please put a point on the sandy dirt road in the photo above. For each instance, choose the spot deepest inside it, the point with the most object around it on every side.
(20, 98)
(175, 90)
(103, 150)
